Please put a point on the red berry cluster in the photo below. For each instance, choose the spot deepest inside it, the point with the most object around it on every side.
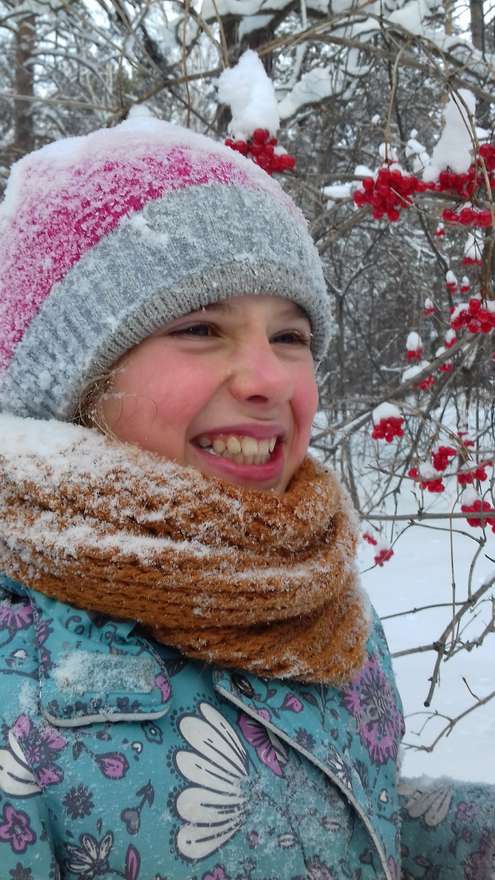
(478, 472)
(472, 261)
(261, 148)
(367, 536)
(426, 383)
(392, 190)
(463, 185)
(441, 455)
(387, 429)
(414, 354)
(487, 153)
(465, 441)
(451, 282)
(383, 556)
(478, 506)
(468, 216)
(446, 367)
(428, 309)
(474, 317)
(388, 193)
(431, 484)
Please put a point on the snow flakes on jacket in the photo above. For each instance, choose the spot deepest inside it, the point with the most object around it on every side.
(120, 759)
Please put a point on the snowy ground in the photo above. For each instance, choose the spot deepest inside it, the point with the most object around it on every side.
(418, 575)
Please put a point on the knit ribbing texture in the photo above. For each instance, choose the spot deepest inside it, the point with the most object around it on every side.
(239, 578)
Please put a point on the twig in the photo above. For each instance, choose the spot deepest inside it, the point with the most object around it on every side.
(447, 730)
(441, 642)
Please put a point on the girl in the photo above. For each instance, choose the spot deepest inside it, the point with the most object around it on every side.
(192, 682)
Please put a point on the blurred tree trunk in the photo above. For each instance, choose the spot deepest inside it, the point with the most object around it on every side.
(448, 11)
(25, 42)
(478, 38)
(477, 24)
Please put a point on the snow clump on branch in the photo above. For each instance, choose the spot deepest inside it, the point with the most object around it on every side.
(454, 147)
(249, 92)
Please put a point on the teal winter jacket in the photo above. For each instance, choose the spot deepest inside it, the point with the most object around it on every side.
(119, 758)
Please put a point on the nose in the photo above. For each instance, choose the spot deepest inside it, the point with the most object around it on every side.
(259, 374)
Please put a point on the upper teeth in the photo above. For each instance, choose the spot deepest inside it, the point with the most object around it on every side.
(239, 445)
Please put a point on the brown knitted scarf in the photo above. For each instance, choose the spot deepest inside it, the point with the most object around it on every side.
(239, 578)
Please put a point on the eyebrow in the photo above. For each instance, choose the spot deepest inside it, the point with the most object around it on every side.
(291, 309)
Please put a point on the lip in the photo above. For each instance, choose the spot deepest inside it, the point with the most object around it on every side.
(249, 473)
(259, 432)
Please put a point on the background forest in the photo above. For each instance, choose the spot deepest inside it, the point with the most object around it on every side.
(365, 90)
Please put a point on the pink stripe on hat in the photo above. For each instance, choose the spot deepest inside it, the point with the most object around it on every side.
(59, 220)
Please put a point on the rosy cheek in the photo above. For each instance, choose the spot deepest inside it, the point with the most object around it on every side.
(182, 398)
(307, 398)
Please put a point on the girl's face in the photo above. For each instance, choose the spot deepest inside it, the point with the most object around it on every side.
(229, 390)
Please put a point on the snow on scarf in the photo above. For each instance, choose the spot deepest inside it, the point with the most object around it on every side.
(240, 578)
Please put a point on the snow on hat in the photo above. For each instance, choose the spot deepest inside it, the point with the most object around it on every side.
(106, 237)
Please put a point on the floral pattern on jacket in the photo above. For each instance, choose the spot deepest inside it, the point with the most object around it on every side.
(121, 759)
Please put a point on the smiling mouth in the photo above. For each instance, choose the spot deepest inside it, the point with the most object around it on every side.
(240, 450)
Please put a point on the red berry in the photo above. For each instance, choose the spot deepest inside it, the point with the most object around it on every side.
(484, 219)
(383, 556)
(367, 536)
(478, 506)
(441, 457)
(260, 135)
(388, 428)
(426, 383)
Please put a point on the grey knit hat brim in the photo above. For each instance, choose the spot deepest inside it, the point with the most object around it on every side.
(188, 249)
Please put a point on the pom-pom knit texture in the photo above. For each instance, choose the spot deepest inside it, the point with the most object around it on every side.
(106, 237)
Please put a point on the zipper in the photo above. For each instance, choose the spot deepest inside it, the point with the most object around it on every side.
(336, 781)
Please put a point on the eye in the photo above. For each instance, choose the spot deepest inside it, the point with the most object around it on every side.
(294, 337)
(202, 330)
(207, 331)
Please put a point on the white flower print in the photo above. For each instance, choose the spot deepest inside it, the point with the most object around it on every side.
(431, 804)
(338, 766)
(214, 807)
(15, 776)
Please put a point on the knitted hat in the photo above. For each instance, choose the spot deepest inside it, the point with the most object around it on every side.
(104, 238)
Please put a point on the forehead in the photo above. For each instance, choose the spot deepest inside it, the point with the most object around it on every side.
(282, 307)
